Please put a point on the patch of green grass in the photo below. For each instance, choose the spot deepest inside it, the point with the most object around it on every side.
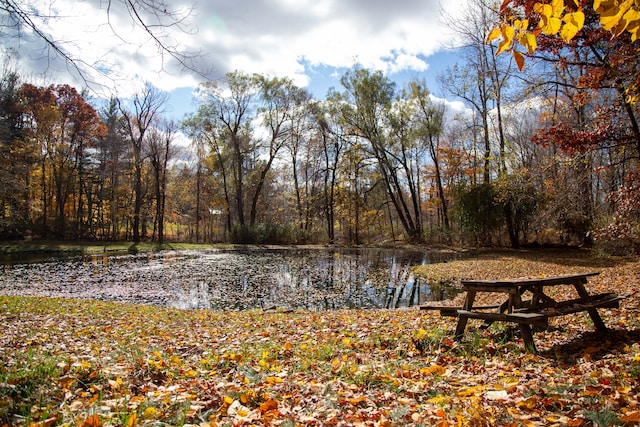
(28, 387)
(326, 352)
(604, 418)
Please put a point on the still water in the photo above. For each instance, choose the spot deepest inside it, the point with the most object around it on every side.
(234, 279)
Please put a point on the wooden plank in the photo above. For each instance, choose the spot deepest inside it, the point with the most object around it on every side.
(454, 307)
(524, 317)
(545, 281)
(496, 317)
(527, 317)
(576, 307)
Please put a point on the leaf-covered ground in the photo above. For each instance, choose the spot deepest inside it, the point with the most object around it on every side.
(92, 363)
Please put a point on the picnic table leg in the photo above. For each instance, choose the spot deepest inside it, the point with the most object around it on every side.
(515, 301)
(527, 337)
(462, 320)
(593, 312)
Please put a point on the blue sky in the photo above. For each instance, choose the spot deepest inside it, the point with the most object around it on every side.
(310, 41)
(322, 78)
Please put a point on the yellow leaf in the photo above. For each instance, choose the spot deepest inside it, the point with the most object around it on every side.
(336, 364)
(619, 29)
(471, 391)
(632, 16)
(421, 332)
(433, 370)
(529, 41)
(634, 31)
(494, 34)
(557, 7)
(610, 17)
(528, 404)
(507, 39)
(596, 5)
(149, 413)
(576, 18)
(521, 25)
(568, 32)
(273, 380)
(552, 26)
(66, 382)
(609, 21)
(544, 10)
(440, 399)
(630, 22)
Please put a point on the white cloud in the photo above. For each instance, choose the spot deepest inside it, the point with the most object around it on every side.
(270, 37)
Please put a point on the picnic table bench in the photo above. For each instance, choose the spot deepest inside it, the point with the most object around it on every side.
(534, 311)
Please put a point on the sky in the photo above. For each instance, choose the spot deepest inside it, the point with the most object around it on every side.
(313, 42)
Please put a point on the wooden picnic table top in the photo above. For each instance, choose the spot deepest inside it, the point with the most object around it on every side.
(535, 311)
(541, 281)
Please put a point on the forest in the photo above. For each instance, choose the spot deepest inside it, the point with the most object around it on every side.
(544, 152)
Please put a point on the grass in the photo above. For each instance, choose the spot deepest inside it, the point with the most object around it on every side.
(87, 248)
(25, 385)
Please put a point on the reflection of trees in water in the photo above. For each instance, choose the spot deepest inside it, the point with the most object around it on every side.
(327, 279)
(235, 279)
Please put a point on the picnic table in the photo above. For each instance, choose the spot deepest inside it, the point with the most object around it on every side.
(533, 311)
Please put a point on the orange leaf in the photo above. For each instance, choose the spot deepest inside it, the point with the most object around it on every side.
(269, 405)
(131, 421)
(519, 58)
(631, 417)
(92, 421)
(46, 423)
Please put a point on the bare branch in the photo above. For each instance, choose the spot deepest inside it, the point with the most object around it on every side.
(158, 19)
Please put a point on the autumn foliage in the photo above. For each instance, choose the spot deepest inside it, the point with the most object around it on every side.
(525, 21)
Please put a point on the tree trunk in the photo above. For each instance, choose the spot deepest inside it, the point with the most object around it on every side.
(137, 203)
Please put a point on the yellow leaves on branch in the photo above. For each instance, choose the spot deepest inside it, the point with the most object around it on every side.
(550, 16)
(509, 35)
(619, 16)
(563, 18)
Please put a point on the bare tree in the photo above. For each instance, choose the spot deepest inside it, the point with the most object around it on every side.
(147, 108)
(482, 81)
(333, 143)
(430, 118)
(160, 151)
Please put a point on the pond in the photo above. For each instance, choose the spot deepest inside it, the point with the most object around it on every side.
(234, 279)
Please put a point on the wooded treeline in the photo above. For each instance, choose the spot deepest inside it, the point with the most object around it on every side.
(546, 156)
